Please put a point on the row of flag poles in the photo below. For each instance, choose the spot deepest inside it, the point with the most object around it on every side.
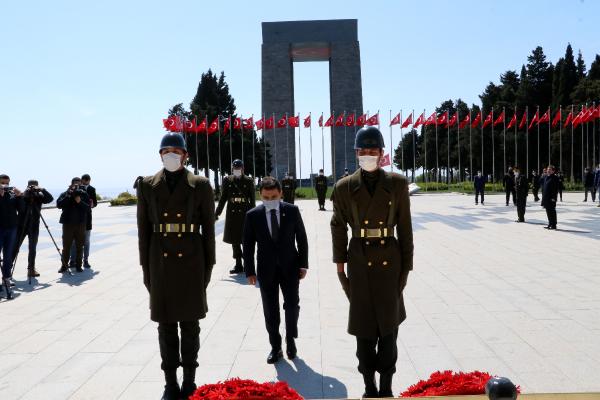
(575, 117)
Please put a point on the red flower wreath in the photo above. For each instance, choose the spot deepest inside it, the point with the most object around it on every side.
(449, 383)
(243, 389)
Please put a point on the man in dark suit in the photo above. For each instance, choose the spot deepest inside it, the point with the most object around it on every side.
(282, 261)
(479, 185)
(550, 195)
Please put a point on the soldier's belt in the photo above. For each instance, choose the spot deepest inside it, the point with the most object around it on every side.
(238, 199)
(176, 228)
(367, 233)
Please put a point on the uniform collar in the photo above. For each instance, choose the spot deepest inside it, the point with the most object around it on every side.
(159, 178)
(356, 180)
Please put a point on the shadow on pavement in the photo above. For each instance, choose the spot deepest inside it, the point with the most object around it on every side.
(307, 382)
(78, 278)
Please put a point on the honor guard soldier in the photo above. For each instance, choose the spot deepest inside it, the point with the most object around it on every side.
(288, 186)
(239, 194)
(176, 230)
(522, 190)
(321, 189)
(375, 206)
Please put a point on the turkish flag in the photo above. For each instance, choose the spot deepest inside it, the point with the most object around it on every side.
(362, 120)
(512, 121)
(329, 121)
(260, 124)
(202, 127)
(237, 123)
(569, 119)
(282, 122)
(227, 125)
(407, 122)
(488, 119)
(465, 122)
(374, 120)
(385, 160)
(339, 121)
(321, 120)
(500, 119)
(270, 123)
(248, 123)
(523, 122)
(535, 119)
(294, 122)
(350, 119)
(420, 121)
(169, 124)
(396, 120)
(443, 118)
(214, 126)
(431, 120)
(188, 126)
(545, 117)
(477, 120)
(307, 121)
(452, 120)
(556, 119)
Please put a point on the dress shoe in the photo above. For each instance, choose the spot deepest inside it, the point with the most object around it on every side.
(236, 270)
(172, 392)
(32, 273)
(274, 356)
(62, 270)
(87, 265)
(78, 268)
(290, 348)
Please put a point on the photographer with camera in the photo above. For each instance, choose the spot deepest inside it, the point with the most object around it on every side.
(75, 206)
(29, 221)
(91, 192)
(11, 205)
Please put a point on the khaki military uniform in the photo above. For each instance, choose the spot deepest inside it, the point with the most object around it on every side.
(288, 187)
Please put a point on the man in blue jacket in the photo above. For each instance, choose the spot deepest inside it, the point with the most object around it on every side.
(479, 184)
(277, 228)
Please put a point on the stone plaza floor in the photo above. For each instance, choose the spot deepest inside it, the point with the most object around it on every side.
(486, 294)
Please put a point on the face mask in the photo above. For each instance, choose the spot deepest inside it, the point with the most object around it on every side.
(516, 174)
(321, 174)
(368, 163)
(171, 161)
(271, 204)
(237, 173)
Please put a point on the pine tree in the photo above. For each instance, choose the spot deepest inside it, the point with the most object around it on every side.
(580, 66)
(594, 72)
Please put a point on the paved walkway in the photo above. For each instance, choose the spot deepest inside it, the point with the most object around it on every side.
(486, 293)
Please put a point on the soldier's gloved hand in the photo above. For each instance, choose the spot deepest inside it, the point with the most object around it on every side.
(403, 279)
(345, 283)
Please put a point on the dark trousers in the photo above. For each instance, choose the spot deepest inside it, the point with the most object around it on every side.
(592, 190)
(514, 195)
(33, 234)
(477, 193)
(535, 190)
(521, 206)
(8, 238)
(321, 198)
(291, 305)
(551, 213)
(73, 232)
(168, 341)
(377, 354)
(237, 252)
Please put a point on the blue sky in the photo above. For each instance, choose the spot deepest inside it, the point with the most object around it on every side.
(84, 85)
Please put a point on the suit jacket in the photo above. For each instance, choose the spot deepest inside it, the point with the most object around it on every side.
(550, 191)
(284, 257)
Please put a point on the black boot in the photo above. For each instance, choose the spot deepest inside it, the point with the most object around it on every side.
(385, 385)
(239, 268)
(172, 390)
(370, 386)
(188, 387)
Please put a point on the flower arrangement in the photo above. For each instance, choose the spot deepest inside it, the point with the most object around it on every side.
(448, 383)
(244, 389)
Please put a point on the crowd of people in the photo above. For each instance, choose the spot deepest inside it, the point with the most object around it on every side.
(20, 214)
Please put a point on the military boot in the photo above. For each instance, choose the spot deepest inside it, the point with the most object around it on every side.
(385, 385)
(239, 268)
(370, 386)
(188, 387)
(172, 390)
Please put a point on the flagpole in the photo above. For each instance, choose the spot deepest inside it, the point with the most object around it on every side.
(207, 147)
(437, 156)
(587, 141)
(322, 144)
(493, 150)
(527, 139)
(196, 145)
(391, 141)
(582, 151)
(516, 142)
(287, 143)
(594, 138)
(414, 148)
(504, 137)
(538, 138)
(345, 141)
(458, 144)
(230, 142)
(482, 164)
(355, 124)
(311, 149)
(242, 135)
(275, 140)
(470, 146)
(401, 146)
(560, 137)
(264, 138)
(448, 149)
(253, 151)
(299, 148)
(425, 143)
(572, 146)
(220, 177)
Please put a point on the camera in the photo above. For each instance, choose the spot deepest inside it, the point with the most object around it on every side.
(9, 189)
(77, 190)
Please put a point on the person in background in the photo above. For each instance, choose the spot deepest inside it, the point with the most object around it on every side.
(93, 202)
(75, 206)
(535, 185)
(521, 189)
(550, 195)
(11, 205)
(509, 185)
(479, 185)
(588, 184)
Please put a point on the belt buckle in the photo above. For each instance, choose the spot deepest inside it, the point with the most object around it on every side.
(372, 232)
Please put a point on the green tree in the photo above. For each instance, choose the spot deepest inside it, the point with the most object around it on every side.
(580, 66)
(568, 79)
(594, 72)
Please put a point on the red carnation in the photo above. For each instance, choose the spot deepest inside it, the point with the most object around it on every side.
(242, 389)
(450, 383)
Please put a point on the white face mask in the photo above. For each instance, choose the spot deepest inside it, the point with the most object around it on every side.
(171, 161)
(271, 204)
(237, 173)
(516, 174)
(368, 163)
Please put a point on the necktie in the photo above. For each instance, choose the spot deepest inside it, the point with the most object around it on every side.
(274, 225)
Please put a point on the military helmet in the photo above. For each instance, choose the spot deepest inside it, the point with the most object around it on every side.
(499, 388)
(368, 137)
(237, 163)
(173, 139)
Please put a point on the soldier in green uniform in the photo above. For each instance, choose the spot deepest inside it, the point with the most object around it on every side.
(239, 194)
(176, 231)
(375, 206)
(321, 189)
(522, 190)
(288, 186)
